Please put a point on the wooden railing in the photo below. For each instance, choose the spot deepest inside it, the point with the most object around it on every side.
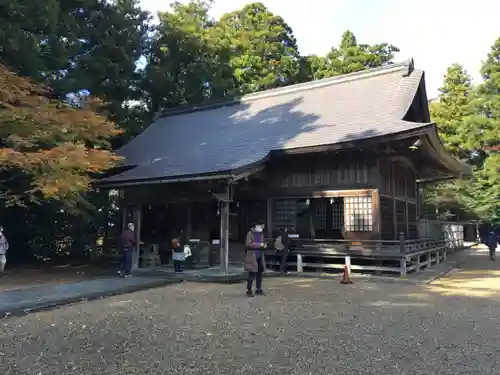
(401, 256)
(363, 248)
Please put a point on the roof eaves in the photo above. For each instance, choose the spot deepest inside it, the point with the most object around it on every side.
(223, 175)
(460, 168)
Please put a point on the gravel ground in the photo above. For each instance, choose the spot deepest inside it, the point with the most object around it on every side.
(302, 326)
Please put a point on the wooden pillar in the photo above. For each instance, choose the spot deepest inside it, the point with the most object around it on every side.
(224, 230)
(376, 215)
(137, 222)
(406, 169)
(189, 225)
(393, 188)
(269, 219)
(418, 201)
(224, 233)
(124, 217)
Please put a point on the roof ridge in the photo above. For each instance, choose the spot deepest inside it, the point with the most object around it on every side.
(406, 66)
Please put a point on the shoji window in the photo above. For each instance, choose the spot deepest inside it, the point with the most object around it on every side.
(358, 214)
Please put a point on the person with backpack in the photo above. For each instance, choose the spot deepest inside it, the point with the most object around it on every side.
(282, 244)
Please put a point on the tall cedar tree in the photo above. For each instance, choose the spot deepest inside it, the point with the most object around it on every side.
(264, 52)
(77, 45)
(187, 64)
(349, 57)
(486, 193)
(469, 123)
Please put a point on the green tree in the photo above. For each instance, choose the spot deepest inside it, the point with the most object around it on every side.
(112, 36)
(485, 193)
(454, 109)
(489, 106)
(263, 49)
(186, 63)
(469, 122)
(24, 28)
(350, 57)
(77, 44)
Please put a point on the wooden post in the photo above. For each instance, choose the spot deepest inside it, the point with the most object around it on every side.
(222, 234)
(189, 226)
(224, 245)
(137, 221)
(402, 250)
(299, 263)
(394, 218)
(393, 194)
(224, 231)
(269, 219)
(407, 219)
(124, 217)
(376, 215)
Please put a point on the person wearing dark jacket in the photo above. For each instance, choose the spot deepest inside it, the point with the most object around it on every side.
(178, 255)
(285, 242)
(255, 244)
(127, 244)
(491, 242)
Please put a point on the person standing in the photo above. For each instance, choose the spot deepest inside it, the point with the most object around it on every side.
(491, 242)
(4, 246)
(127, 243)
(285, 247)
(254, 258)
(178, 255)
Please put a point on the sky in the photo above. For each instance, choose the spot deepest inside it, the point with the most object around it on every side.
(435, 33)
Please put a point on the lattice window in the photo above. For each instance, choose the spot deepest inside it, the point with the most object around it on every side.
(320, 215)
(337, 214)
(284, 214)
(358, 214)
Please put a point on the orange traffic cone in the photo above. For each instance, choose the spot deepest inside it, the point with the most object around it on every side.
(345, 277)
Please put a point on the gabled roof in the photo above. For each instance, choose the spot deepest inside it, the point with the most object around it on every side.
(226, 137)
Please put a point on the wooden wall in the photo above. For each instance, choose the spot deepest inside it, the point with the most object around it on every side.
(387, 184)
(398, 191)
(334, 176)
(322, 171)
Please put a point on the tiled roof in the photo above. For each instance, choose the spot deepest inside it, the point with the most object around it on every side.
(222, 138)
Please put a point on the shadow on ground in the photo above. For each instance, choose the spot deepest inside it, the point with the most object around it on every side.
(21, 278)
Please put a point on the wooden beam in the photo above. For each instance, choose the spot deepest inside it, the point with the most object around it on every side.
(247, 173)
(315, 193)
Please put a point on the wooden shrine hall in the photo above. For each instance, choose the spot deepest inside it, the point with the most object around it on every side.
(338, 159)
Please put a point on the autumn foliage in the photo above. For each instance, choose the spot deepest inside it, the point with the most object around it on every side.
(49, 149)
